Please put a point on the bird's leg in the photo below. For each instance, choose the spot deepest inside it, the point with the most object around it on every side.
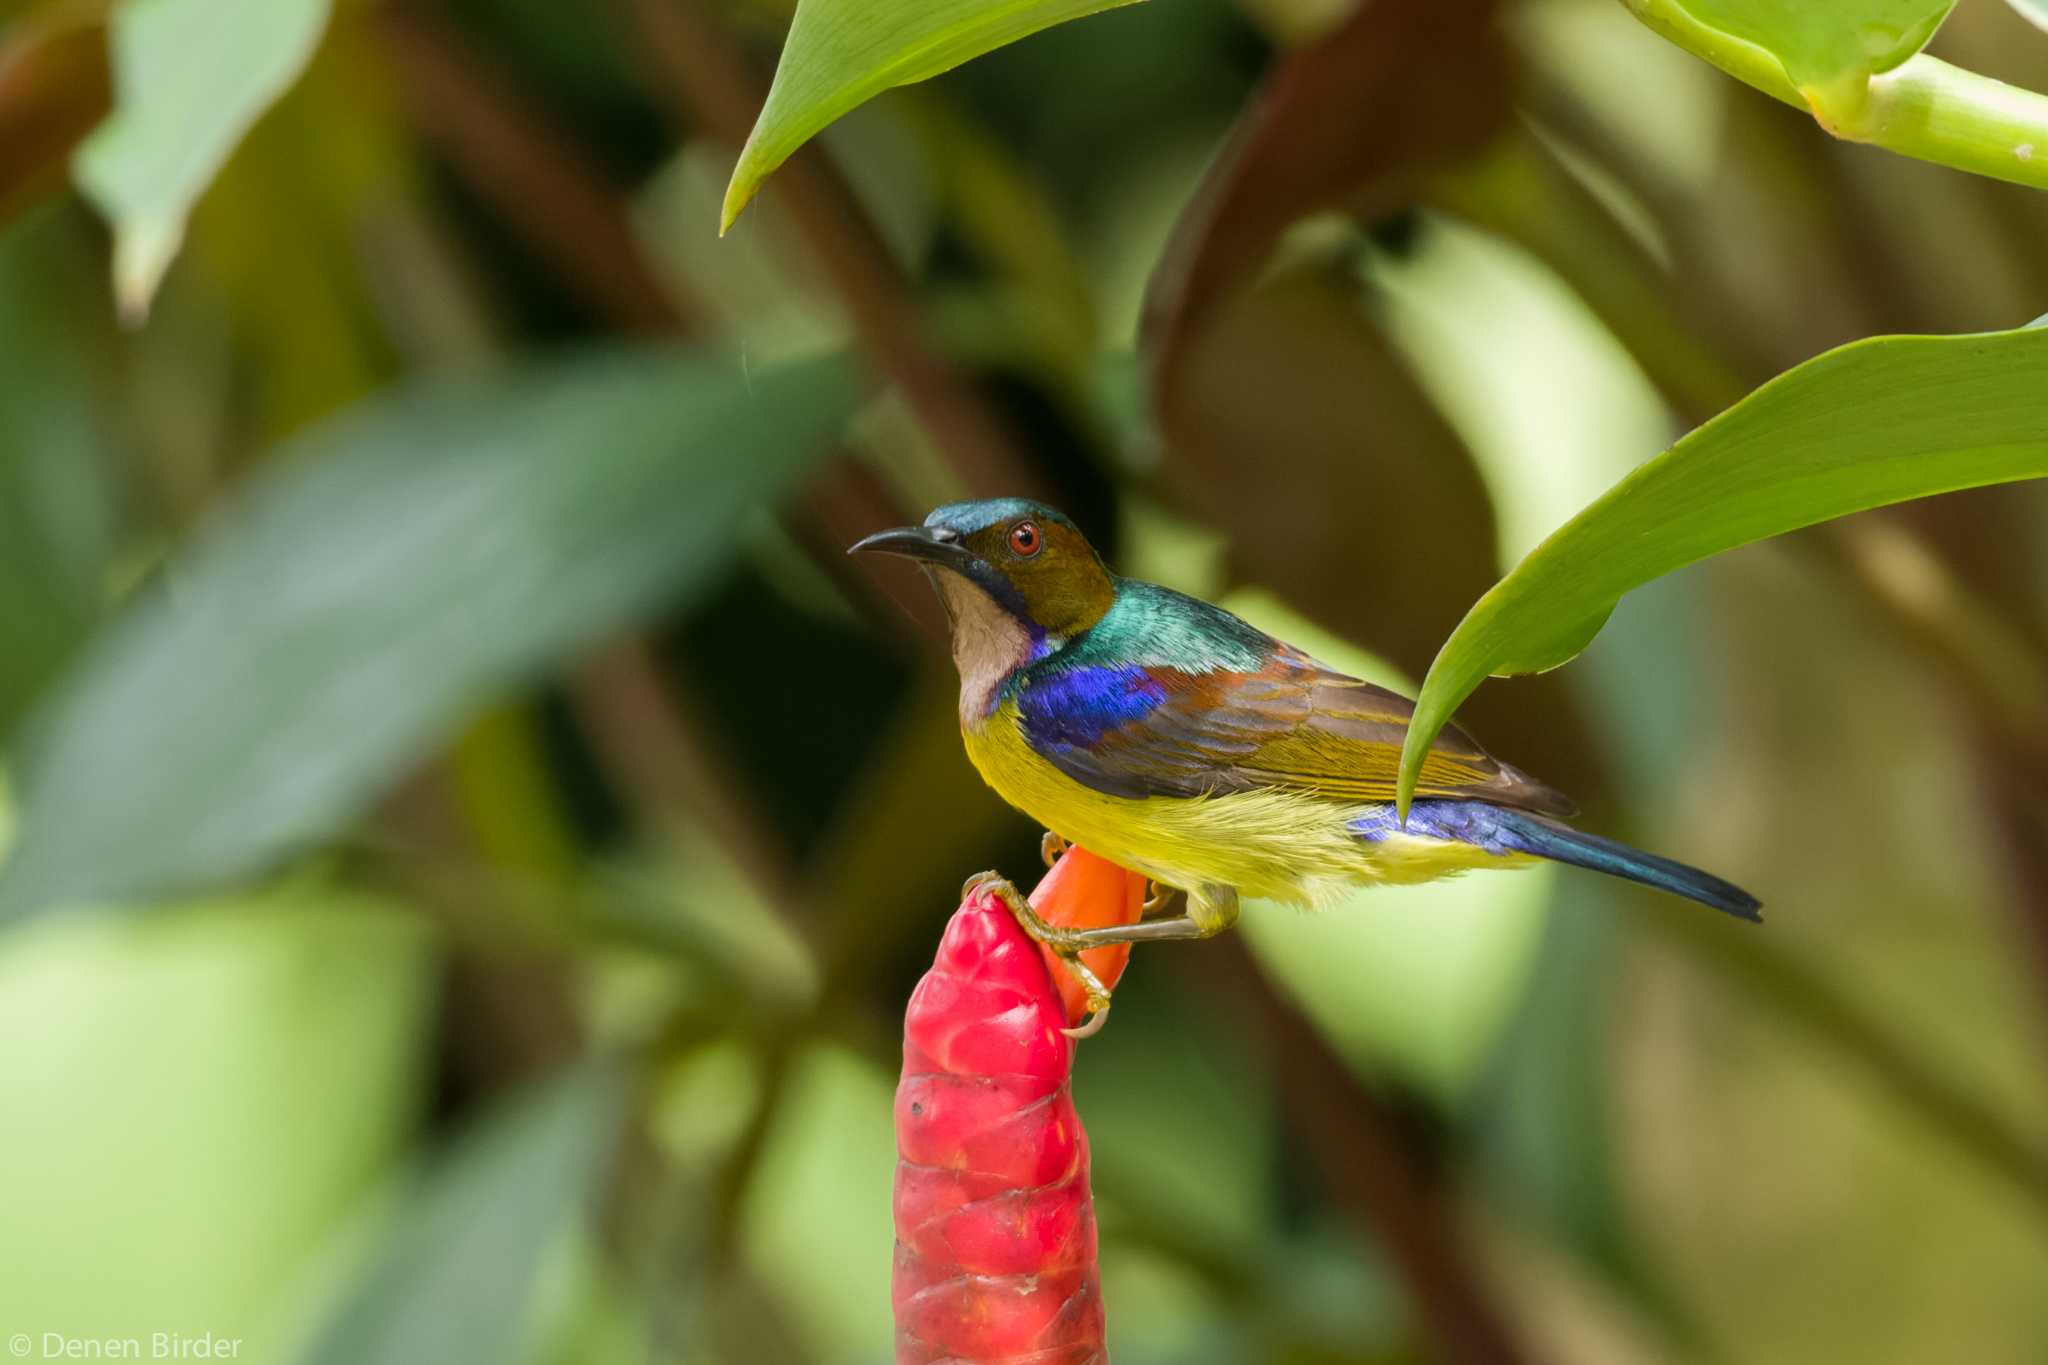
(1158, 895)
(1050, 847)
(1066, 944)
(1212, 908)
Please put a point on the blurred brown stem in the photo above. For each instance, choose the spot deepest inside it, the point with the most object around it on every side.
(1369, 1167)
(535, 176)
(707, 77)
(529, 173)
(55, 87)
(646, 737)
(652, 743)
(1802, 995)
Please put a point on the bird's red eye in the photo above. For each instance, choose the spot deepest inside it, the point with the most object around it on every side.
(1024, 539)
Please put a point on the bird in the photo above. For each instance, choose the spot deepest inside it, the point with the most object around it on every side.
(1172, 737)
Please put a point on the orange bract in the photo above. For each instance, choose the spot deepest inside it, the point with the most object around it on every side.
(1084, 891)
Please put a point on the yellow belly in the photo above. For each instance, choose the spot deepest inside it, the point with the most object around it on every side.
(1272, 844)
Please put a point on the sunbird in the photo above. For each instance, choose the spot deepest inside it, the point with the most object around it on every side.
(1180, 741)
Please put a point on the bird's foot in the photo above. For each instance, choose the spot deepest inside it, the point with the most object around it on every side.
(1066, 945)
(1157, 898)
(1050, 847)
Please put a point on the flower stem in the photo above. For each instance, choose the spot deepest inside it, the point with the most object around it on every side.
(1922, 108)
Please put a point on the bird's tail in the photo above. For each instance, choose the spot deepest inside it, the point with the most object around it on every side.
(1533, 834)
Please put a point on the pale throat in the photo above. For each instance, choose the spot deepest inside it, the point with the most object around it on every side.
(989, 644)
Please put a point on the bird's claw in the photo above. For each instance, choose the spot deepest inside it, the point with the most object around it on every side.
(1050, 847)
(1062, 942)
(1157, 898)
(1097, 1017)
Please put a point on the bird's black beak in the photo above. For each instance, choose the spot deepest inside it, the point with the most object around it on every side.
(917, 542)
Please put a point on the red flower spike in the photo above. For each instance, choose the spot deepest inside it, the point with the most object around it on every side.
(995, 1228)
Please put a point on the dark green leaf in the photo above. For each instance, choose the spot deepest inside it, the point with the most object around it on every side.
(394, 566)
(842, 53)
(453, 1285)
(1875, 422)
(56, 496)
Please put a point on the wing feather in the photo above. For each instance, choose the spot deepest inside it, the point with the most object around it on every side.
(1137, 730)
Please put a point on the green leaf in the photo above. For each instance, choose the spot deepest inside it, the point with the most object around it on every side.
(454, 1284)
(390, 568)
(190, 77)
(817, 1199)
(57, 496)
(842, 53)
(1826, 59)
(280, 1044)
(1828, 52)
(2034, 12)
(1874, 422)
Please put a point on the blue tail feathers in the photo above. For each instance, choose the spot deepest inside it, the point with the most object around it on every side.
(1501, 829)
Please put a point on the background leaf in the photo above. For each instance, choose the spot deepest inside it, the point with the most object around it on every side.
(398, 563)
(842, 53)
(181, 1062)
(56, 473)
(190, 76)
(454, 1283)
(2034, 12)
(1350, 122)
(1868, 424)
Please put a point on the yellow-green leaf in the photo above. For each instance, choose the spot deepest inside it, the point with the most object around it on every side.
(457, 1277)
(190, 77)
(1874, 422)
(1819, 45)
(842, 53)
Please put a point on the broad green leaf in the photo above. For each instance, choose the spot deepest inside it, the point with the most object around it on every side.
(815, 1220)
(388, 569)
(190, 77)
(456, 1280)
(198, 1103)
(1874, 422)
(2034, 12)
(842, 53)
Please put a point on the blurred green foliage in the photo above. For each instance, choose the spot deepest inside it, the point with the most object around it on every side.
(473, 833)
